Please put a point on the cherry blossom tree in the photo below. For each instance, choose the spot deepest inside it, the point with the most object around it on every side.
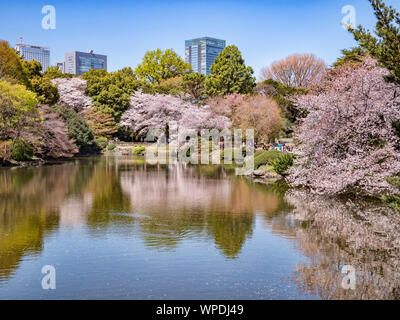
(148, 111)
(72, 93)
(50, 140)
(347, 142)
(226, 105)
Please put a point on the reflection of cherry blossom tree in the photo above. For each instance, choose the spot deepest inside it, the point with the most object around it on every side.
(347, 141)
(157, 111)
(72, 93)
(365, 235)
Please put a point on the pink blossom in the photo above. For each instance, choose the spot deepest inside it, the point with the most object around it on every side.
(157, 111)
(72, 93)
(347, 142)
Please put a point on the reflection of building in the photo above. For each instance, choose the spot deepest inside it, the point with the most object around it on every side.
(29, 52)
(200, 53)
(81, 62)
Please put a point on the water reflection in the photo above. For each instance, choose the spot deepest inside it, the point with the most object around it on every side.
(170, 207)
(29, 201)
(365, 235)
(167, 204)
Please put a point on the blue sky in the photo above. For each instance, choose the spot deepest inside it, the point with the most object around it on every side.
(264, 30)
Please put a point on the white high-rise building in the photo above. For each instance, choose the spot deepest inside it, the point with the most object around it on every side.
(29, 52)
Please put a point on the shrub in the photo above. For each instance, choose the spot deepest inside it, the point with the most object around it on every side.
(265, 157)
(78, 129)
(111, 147)
(21, 151)
(101, 142)
(282, 163)
(139, 150)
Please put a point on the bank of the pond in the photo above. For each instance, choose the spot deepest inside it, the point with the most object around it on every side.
(37, 162)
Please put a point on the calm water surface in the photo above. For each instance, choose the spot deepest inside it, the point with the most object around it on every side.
(117, 228)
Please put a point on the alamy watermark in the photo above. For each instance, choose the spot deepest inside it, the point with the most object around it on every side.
(49, 280)
(206, 146)
(349, 20)
(349, 280)
(49, 20)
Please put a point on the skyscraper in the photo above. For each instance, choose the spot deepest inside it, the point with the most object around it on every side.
(29, 52)
(200, 53)
(80, 62)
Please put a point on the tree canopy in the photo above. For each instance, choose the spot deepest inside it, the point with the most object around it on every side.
(385, 46)
(347, 143)
(18, 110)
(229, 74)
(11, 68)
(297, 70)
(193, 84)
(352, 56)
(32, 68)
(110, 92)
(158, 65)
(54, 73)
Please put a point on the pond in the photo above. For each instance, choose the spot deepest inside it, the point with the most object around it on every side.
(118, 228)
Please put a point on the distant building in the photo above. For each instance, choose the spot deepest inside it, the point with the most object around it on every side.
(80, 62)
(200, 53)
(29, 52)
(60, 66)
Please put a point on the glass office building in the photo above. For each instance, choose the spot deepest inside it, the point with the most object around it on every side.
(81, 62)
(200, 53)
(29, 52)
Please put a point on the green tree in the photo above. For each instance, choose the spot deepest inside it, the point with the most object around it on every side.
(171, 86)
(110, 92)
(32, 68)
(102, 124)
(385, 47)
(158, 65)
(78, 129)
(18, 112)
(229, 74)
(21, 150)
(54, 73)
(47, 92)
(113, 101)
(353, 56)
(11, 68)
(193, 84)
(283, 96)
